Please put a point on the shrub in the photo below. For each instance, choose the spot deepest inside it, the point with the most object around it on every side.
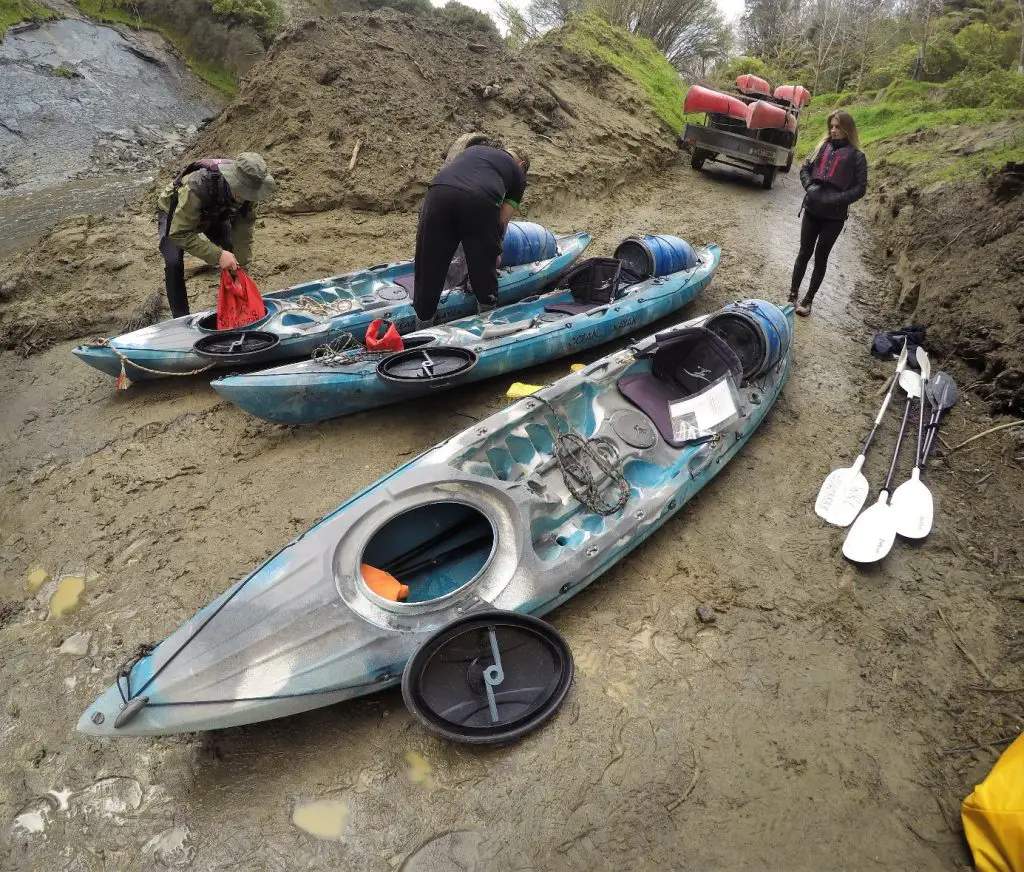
(1001, 89)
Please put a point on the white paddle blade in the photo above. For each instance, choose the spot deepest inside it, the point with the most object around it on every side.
(910, 381)
(913, 507)
(842, 496)
(872, 534)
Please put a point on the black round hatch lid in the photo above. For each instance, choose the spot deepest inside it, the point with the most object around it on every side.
(489, 677)
(236, 345)
(428, 365)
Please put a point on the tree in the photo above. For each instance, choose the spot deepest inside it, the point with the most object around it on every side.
(552, 13)
(466, 17)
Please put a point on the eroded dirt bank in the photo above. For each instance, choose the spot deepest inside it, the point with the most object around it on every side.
(819, 724)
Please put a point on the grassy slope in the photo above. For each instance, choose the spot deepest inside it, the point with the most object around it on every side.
(214, 74)
(634, 57)
(15, 11)
(908, 127)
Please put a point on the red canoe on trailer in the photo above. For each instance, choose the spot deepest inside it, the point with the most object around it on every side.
(700, 99)
(750, 84)
(761, 115)
(798, 95)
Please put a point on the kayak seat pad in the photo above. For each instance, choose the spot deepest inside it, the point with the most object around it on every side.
(597, 281)
(683, 363)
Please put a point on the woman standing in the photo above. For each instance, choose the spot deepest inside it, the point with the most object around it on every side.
(834, 176)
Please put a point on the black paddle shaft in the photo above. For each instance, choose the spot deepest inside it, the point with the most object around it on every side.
(899, 442)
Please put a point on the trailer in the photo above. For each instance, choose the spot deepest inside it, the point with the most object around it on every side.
(728, 140)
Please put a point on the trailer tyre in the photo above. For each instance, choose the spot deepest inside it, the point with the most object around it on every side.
(768, 178)
(789, 164)
(698, 158)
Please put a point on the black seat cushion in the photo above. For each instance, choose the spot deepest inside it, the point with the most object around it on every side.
(683, 363)
(593, 283)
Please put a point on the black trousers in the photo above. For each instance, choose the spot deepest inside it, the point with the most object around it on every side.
(817, 236)
(450, 216)
(174, 261)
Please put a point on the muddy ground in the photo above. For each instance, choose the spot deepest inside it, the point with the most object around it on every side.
(830, 719)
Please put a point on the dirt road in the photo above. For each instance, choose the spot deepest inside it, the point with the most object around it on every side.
(803, 730)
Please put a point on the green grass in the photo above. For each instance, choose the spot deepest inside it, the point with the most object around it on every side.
(886, 117)
(634, 57)
(214, 74)
(15, 11)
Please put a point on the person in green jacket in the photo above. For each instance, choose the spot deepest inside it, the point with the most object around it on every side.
(209, 211)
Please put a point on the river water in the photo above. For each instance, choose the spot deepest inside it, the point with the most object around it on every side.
(87, 116)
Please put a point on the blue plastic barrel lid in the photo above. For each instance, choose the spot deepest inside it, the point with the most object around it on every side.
(527, 242)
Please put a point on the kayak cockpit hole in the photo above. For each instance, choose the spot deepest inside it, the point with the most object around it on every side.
(208, 322)
(427, 553)
(746, 341)
(417, 341)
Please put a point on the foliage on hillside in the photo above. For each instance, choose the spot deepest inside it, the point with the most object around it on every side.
(589, 34)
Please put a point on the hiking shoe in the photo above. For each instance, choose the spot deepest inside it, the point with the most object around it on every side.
(424, 324)
(792, 298)
(484, 308)
(804, 309)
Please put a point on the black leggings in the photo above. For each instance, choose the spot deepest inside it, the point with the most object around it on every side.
(174, 261)
(450, 216)
(824, 232)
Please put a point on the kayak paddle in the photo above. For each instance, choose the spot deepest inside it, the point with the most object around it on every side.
(912, 501)
(872, 534)
(843, 492)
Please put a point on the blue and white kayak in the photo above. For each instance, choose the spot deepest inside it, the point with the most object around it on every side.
(518, 512)
(308, 315)
(470, 349)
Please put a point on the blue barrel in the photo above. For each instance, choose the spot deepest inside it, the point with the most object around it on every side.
(758, 331)
(652, 255)
(526, 242)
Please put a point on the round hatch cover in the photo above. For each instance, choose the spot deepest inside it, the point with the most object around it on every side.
(392, 293)
(428, 365)
(235, 344)
(634, 428)
(489, 677)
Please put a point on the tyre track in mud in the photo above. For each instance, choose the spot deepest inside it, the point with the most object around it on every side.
(817, 702)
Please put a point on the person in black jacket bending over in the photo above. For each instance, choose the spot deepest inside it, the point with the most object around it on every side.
(834, 176)
(471, 201)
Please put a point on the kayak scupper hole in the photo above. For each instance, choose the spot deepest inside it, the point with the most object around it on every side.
(432, 551)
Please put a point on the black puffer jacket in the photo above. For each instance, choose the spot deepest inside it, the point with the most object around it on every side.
(834, 178)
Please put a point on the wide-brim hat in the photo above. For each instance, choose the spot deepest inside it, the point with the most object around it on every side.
(248, 178)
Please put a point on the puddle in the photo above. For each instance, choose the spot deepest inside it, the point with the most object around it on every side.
(36, 579)
(172, 848)
(67, 596)
(420, 770)
(323, 818)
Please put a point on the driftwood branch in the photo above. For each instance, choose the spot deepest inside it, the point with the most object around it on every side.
(995, 429)
(565, 107)
(355, 154)
(963, 648)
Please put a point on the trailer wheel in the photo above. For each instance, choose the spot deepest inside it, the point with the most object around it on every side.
(789, 164)
(768, 178)
(698, 158)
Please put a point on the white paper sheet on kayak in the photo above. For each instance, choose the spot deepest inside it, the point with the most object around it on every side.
(706, 413)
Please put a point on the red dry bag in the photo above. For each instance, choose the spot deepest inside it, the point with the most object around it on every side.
(383, 338)
(239, 302)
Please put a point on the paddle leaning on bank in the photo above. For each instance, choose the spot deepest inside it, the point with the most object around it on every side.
(909, 512)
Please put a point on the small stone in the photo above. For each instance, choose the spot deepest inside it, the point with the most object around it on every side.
(705, 614)
(77, 645)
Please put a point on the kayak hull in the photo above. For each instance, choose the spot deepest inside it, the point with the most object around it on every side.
(304, 630)
(312, 314)
(509, 339)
